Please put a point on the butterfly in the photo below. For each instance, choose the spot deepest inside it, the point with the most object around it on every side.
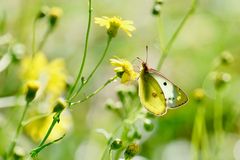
(157, 93)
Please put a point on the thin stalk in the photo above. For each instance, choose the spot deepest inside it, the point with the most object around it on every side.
(176, 33)
(109, 141)
(218, 128)
(95, 92)
(56, 119)
(199, 136)
(2, 22)
(45, 37)
(161, 32)
(18, 131)
(132, 117)
(33, 37)
(85, 50)
(95, 68)
(35, 152)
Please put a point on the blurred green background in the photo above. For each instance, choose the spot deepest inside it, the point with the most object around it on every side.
(212, 29)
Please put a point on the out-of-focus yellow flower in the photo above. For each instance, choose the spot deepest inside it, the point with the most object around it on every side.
(52, 76)
(32, 88)
(199, 94)
(55, 12)
(60, 105)
(114, 23)
(124, 70)
(38, 128)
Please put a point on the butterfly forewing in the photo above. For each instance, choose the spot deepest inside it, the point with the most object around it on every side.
(151, 94)
(174, 96)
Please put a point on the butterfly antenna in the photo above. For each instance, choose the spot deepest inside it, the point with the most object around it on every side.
(139, 59)
(146, 54)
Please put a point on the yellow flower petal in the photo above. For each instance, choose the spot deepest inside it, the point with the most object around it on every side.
(113, 24)
(124, 70)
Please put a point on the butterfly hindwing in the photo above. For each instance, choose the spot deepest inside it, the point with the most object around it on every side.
(174, 96)
(151, 94)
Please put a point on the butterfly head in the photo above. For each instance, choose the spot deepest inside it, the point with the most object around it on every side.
(144, 64)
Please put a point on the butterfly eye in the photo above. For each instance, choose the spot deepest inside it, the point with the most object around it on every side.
(164, 83)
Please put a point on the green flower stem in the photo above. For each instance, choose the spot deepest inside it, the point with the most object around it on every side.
(45, 37)
(85, 50)
(217, 121)
(94, 70)
(161, 32)
(95, 92)
(130, 119)
(56, 119)
(35, 152)
(199, 135)
(33, 37)
(175, 34)
(18, 131)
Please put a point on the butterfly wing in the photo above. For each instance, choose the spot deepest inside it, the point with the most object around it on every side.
(151, 94)
(174, 96)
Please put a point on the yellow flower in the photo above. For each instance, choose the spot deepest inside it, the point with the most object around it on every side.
(55, 12)
(114, 23)
(38, 128)
(32, 88)
(199, 94)
(124, 70)
(52, 76)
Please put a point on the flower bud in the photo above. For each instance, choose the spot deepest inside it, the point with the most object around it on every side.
(148, 125)
(226, 58)
(18, 50)
(116, 144)
(60, 105)
(121, 95)
(32, 88)
(137, 135)
(199, 94)
(54, 14)
(43, 12)
(131, 151)
(111, 105)
(134, 134)
(19, 153)
(157, 7)
(221, 79)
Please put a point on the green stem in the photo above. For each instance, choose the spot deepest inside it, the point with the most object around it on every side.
(218, 128)
(85, 50)
(175, 34)
(2, 22)
(33, 37)
(199, 135)
(18, 131)
(105, 153)
(161, 32)
(56, 119)
(95, 92)
(35, 152)
(45, 37)
(94, 70)
(124, 126)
